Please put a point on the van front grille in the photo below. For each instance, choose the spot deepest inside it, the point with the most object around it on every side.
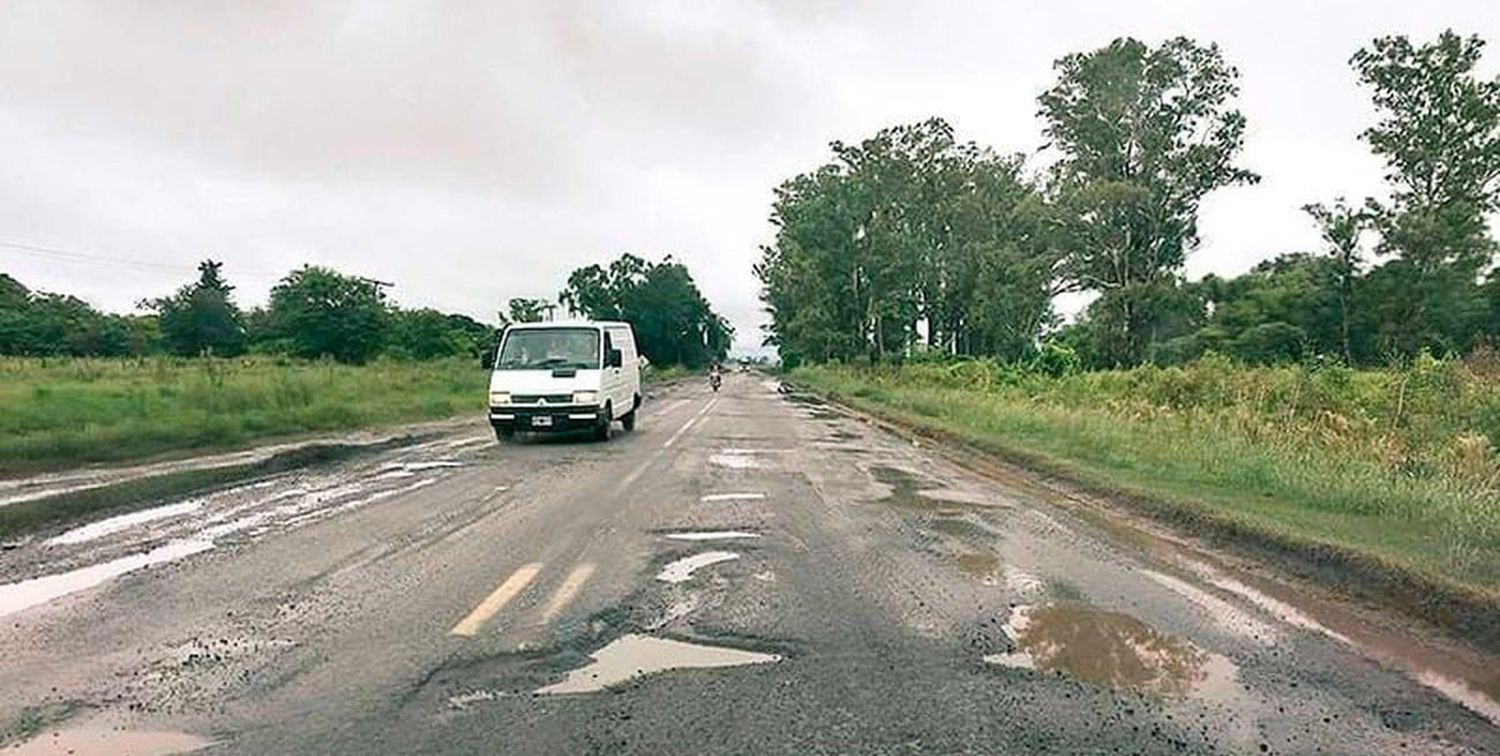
(534, 398)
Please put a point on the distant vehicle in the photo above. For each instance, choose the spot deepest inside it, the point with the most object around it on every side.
(565, 376)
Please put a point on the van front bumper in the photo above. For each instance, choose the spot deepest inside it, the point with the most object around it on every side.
(544, 419)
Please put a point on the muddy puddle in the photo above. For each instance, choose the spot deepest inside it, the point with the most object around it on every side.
(711, 535)
(980, 566)
(633, 656)
(110, 526)
(682, 570)
(909, 491)
(15, 597)
(80, 742)
(1113, 650)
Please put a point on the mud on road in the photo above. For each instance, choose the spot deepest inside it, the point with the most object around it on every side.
(746, 572)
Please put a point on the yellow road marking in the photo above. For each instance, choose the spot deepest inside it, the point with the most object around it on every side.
(496, 601)
(567, 591)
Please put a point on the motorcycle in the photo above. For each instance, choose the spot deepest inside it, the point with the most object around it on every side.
(714, 379)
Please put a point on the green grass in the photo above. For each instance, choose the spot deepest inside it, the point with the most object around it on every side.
(1395, 466)
(62, 412)
(57, 413)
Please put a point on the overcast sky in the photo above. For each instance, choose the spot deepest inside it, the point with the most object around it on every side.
(473, 152)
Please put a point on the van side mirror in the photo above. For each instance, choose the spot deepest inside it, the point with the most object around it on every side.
(614, 359)
(644, 363)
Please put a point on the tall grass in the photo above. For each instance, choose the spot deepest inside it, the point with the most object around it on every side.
(58, 412)
(1396, 464)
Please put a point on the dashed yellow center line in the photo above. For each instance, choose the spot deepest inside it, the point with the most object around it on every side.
(567, 591)
(512, 587)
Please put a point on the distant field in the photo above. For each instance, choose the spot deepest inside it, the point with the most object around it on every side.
(60, 412)
(1395, 465)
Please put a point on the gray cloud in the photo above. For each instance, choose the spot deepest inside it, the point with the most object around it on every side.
(477, 151)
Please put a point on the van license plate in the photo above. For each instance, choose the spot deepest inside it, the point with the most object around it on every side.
(541, 421)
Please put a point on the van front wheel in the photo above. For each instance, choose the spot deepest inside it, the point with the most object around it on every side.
(628, 421)
(601, 431)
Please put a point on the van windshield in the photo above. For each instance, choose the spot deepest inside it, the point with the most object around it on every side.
(550, 349)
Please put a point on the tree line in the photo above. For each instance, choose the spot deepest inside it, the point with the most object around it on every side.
(315, 312)
(912, 241)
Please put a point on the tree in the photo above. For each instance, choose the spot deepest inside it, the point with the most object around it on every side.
(672, 321)
(522, 310)
(908, 235)
(1341, 227)
(201, 317)
(1439, 134)
(1143, 134)
(319, 312)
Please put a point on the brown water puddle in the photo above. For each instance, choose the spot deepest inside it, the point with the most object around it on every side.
(633, 656)
(1113, 650)
(1454, 670)
(980, 566)
(83, 742)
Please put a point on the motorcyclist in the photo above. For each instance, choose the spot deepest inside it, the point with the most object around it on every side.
(715, 375)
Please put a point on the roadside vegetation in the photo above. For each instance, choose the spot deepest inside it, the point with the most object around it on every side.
(1344, 396)
(1395, 464)
(55, 412)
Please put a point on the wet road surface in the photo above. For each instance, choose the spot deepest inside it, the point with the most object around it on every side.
(744, 573)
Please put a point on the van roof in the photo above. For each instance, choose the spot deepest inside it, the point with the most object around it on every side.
(571, 324)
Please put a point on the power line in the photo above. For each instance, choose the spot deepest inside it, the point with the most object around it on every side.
(33, 250)
(68, 255)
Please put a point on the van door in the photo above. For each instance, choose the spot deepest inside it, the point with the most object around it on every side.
(610, 378)
(631, 388)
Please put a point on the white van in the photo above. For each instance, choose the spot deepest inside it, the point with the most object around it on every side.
(579, 375)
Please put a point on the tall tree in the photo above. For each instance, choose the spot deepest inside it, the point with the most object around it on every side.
(905, 232)
(1143, 134)
(201, 317)
(1439, 134)
(1341, 227)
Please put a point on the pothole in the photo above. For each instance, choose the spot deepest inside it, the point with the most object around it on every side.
(632, 656)
(980, 566)
(15, 597)
(1113, 650)
(682, 570)
(83, 742)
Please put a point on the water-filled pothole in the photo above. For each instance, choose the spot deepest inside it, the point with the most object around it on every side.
(81, 742)
(632, 656)
(1113, 650)
(682, 570)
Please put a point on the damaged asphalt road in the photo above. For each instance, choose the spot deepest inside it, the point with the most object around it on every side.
(744, 573)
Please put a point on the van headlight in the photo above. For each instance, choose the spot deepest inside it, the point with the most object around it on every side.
(585, 397)
(498, 398)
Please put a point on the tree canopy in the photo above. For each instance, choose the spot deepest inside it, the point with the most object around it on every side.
(673, 322)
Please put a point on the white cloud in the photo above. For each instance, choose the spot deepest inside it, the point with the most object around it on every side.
(476, 152)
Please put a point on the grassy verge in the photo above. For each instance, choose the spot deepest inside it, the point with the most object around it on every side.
(58, 413)
(1386, 473)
